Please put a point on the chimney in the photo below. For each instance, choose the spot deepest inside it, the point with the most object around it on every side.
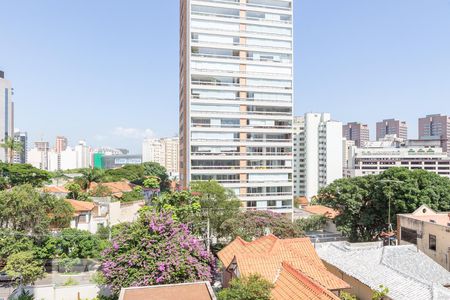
(2, 74)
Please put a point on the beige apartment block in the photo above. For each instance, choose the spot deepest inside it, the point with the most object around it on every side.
(429, 231)
(236, 98)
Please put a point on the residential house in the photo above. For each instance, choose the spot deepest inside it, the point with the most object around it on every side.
(117, 188)
(182, 291)
(307, 211)
(58, 191)
(292, 265)
(405, 271)
(429, 231)
(92, 215)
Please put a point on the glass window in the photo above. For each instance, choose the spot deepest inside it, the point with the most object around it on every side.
(409, 235)
(432, 242)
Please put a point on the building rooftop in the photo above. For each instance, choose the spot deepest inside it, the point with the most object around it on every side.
(80, 206)
(55, 189)
(266, 255)
(404, 270)
(183, 291)
(321, 210)
(426, 214)
(292, 284)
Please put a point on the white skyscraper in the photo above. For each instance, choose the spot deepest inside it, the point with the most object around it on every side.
(6, 114)
(236, 98)
(318, 153)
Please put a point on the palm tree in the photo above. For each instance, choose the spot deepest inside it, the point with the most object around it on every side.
(11, 146)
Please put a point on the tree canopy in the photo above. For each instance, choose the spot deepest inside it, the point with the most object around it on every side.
(254, 224)
(24, 209)
(155, 249)
(19, 174)
(363, 202)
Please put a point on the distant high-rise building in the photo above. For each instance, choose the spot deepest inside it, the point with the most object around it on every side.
(356, 132)
(6, 114)
(390, 127)
(236, 95)
(61, 144)
(436, 127)
(20, 157)
(38, 156)
(317, 153)
(164, 151)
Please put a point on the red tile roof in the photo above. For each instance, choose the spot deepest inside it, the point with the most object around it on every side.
(321, 210)
(80, 206)
(183, 291)
(115, 187)
(294, 285)
(264, 256)
(55, 189)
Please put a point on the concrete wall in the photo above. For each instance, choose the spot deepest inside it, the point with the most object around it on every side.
(359, 289)
(424, 229)
(50, 292)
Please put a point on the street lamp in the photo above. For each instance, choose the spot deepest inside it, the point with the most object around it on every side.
(389, 200)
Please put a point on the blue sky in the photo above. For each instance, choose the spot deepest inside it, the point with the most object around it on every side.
(107, 70)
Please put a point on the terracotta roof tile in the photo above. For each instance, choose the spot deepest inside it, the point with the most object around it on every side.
(115, 187)
(265, 256)
(81, 205)
(183, 291)
(55, 189)
(321, 210)
(292, 284)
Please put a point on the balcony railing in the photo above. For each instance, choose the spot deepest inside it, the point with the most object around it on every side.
(243, 140)
(241, 45)
(215, 15)
(239, 73)
(237, 58)
(238, 85)
(238, 167)
(237, 2)
(194, 97)
(241, 154)
(265, 113)
(266, 194)
(239, 126)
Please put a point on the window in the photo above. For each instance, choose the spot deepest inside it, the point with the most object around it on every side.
(409, 235)
(432, 242)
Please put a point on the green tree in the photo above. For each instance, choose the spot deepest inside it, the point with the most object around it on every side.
(253, 287)
(136, 194)
(89, 176)
(155, 169)
(25, 267)
(183, 205)
(381, 293)
(76, 192)
(24, 209)
(363, 202)
(100, 191)
(131, 173)
(12, 242)
(217, 203)
(11, 146)
(19, 174)
(250, 225)
(152, 183)
(312, 223)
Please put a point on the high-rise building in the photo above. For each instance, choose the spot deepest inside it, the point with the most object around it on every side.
(357, 132)
(38, 156)
(61, 144)
(6, 115)
(317, 153)
(164, 151)
(436, 127)
(390, 127)
(20, 157)
(236, 98)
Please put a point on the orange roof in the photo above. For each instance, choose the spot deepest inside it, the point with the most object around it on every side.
(292, 284)
(115, 187)
(55, 189)
(181, 291)
(321, 210)
(264, 256)
(81, 205)
(302, 200)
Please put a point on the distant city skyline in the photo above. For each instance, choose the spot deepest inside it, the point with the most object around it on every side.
(103, 80)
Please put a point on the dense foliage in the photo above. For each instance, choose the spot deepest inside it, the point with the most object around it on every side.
(363, 202)
(250, 225)
(155, 249)
(12, 242)
(25, 209)
(253, 287)
(18, 174)
(24, 267)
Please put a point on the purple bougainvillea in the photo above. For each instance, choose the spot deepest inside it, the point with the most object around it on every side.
(155, 250)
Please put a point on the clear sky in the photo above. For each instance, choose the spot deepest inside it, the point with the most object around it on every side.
(107, 70)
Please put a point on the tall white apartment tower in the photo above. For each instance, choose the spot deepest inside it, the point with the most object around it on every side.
(6, 114)
(318, 153)
(236, 97)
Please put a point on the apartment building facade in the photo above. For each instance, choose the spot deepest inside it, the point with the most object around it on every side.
(318, 157)
(164, 151)
(20, 157)
(6, 113)
(376, 157)
(436, 127)
(357, 132)
(390, 127)
(236, 97)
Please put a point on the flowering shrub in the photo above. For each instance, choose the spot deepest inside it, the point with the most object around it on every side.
(155, 249)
